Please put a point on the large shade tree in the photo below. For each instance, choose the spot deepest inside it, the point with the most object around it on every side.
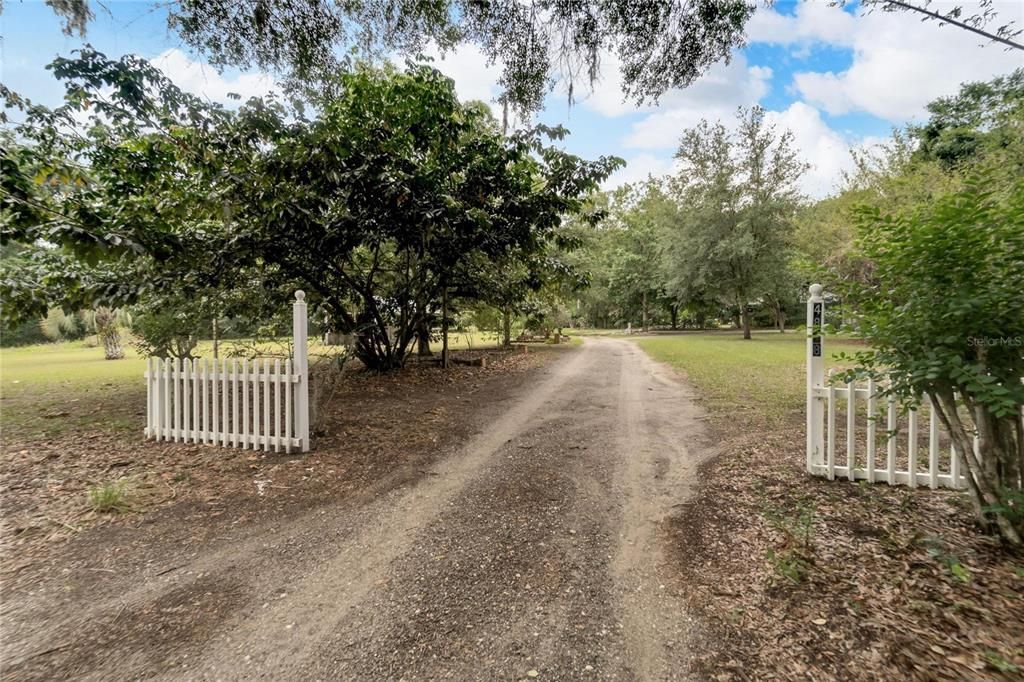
(738, 192)
(378, 205)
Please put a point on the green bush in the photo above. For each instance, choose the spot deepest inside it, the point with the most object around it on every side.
(944, 315)
(24, 334)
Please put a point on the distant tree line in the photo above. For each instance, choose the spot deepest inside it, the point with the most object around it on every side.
(922, 250)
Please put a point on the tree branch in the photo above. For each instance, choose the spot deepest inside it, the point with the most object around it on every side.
(959, 24)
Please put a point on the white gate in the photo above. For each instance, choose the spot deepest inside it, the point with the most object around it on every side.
(880, 444)
(233, 402)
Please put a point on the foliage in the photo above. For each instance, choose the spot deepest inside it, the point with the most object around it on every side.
(639, 217)
(944, 316)
(92, 207)
(26, 333)
(794, 556)
(388, 201)
(981, 117)
(393, 199)
(59, 326)
(982, 125)
(937, 551)
(661, 45)
(170, 332)
(738, 193)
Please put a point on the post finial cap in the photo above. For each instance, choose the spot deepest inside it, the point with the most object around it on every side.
(816, 290)
(300, 295)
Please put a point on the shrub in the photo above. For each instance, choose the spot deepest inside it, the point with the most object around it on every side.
(944, 315)
(169, 332)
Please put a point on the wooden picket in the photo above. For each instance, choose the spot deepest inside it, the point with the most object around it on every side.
(220, 403)
(827, 398)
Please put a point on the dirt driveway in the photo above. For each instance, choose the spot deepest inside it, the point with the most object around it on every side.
(530, 550)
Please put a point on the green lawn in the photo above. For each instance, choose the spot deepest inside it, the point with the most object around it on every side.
(72, 362)
(47, 389)
(765, 373)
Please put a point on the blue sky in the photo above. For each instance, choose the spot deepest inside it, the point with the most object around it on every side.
(834, 76)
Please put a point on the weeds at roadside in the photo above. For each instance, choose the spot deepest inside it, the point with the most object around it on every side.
(109, 498)
(937, 551)
(793, 558)
(1000, 663)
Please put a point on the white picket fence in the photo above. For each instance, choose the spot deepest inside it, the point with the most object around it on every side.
(876, 443)
(232, 402)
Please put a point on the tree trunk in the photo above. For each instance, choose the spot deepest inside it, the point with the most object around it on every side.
(643, 313)
(216, 337)
(745, 320)
(780, 317)
(423, 338)
(506, 327)
(444, 328)
(673, 311)
(990, 493)
(106, 329)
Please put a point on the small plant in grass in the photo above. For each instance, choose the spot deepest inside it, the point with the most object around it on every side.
(937, 551)
(1000, 663)
(794, 557)
(109, 497)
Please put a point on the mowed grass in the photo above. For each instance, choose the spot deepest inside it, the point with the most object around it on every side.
(765, 374)
(72, 362)
(48, 389)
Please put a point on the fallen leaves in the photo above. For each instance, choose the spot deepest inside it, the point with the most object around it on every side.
(376, 426)
(901, 585)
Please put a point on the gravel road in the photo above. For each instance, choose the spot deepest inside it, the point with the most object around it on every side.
(533, 550)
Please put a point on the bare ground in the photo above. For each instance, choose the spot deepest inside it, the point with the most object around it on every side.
(796, 577)
(520, 537)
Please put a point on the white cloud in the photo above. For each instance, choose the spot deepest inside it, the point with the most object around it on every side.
(812, 22)
(639, 168)
(825, 150)
(716, 95)
(723, 87)
(899, 62)
(203, 80)
(467, 66)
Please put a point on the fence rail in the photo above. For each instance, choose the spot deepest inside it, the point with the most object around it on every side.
(854, 432)
(232, 402)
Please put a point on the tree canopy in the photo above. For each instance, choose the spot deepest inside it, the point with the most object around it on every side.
(381, 204)
(660, 45)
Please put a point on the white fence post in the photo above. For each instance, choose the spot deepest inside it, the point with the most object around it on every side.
(300, 352)
(815, 377)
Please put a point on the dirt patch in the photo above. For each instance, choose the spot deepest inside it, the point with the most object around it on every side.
(798, 577)
(381, 430)
(513, 534)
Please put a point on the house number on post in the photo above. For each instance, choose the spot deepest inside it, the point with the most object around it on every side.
(816, 339)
